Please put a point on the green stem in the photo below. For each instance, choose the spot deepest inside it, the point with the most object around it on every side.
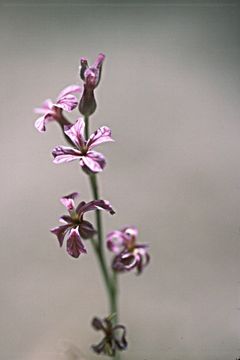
(110, 283)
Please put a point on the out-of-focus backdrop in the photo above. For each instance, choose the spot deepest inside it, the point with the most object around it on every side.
(170, 93)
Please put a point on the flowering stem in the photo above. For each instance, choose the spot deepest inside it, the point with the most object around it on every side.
(99, 245)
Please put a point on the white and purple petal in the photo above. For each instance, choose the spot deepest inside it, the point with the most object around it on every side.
(100, 136)
(86, 229)
(143, 256)
(130, 231)
(66, 219)
(63, 154)
(40, 124)
(42, 121)
(67, 103)
(68, 202)
(75, 132)
(71, 89)
(75, 246)
(99, 61)
(94, 161)
(96, 205)
(66, 100)
(115, 241)
(45, 108)
(60, 232)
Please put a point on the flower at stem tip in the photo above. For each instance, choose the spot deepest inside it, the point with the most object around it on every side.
(53, 111)
(114, 339)
(128, 253)
(91, 75)
(90, 160)
(74, 227)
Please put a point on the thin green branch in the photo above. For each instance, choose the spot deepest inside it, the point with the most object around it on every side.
(110, 281)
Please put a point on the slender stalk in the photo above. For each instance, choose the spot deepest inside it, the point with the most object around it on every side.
(110, 283)
(110, 280)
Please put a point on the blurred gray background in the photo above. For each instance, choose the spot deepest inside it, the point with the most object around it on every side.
(170, 93)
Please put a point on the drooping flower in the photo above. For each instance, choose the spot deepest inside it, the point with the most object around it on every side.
(53, 111)
(90, 160)
(74, 227)
(91, 75)
(128, 253)
(114, 339)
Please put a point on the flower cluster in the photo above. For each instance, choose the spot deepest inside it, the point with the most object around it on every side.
(128, 253)
(114, 336)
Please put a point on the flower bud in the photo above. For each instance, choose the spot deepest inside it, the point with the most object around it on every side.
(87, 104)
(91, 77)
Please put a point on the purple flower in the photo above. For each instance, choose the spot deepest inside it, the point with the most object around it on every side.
(129, 254)
(91, 77)
(114, 339)
(53, 111)
(74, 228)
(89, 159)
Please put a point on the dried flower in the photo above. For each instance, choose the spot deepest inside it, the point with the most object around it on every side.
(74, 227)
(91, 77)
(91, 161)
(53, 111)
(114, 339)
(129, 254)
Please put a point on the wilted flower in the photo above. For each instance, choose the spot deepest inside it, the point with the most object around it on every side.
(129, 254)
(90, 160)
(114, 339)
(74, 227)
(91, 77)
(53, 111)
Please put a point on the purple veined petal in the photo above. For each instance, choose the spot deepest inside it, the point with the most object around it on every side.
(75, 132)
(80, 205)
(129, 260)
(71, 89)
(97, 324)
(68, 201)
(98, 65)
(67, 103)
(75, 246)
(86, 230)
(142, 251)
(94, 161)
(117, 264)
(40, 124)
(125, 261)
(130, 231)
(99, 61)
(46, 106)
(63, 154)
(99, 348)
(142, 246)
(66, 219)
(142, 258)
(115, 241)
(96, 205)
(60, 232)
(100, 136)
(42, 121)
(120, 336)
